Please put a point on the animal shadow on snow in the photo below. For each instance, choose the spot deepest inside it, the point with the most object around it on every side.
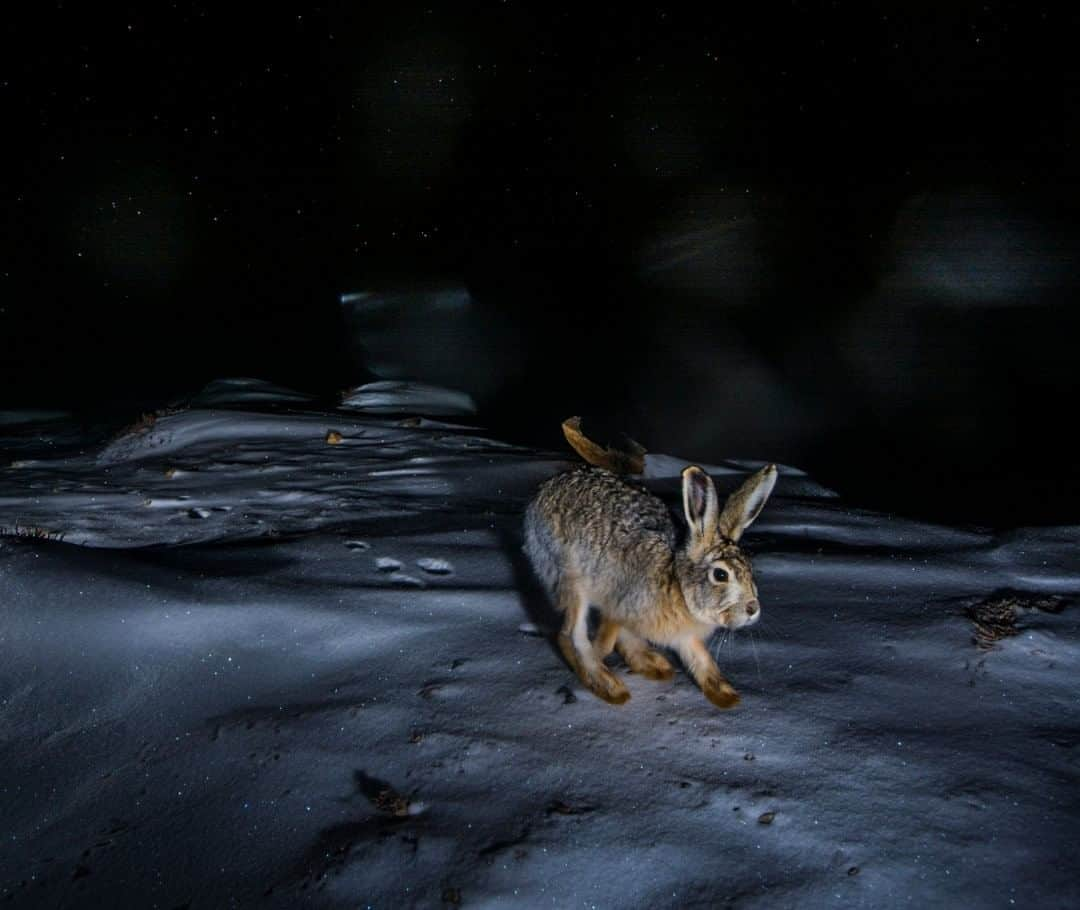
(534, 598)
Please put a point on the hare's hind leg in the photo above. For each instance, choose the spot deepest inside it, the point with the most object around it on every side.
(578, 650)
(641, 658)
(633, 649)
(605, 637)
(700, 665)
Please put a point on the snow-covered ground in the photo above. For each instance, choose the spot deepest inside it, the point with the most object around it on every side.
(254, 653)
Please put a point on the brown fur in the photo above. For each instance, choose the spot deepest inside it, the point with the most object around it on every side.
(595, 539)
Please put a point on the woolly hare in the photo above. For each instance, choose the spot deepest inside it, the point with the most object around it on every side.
(595, 539)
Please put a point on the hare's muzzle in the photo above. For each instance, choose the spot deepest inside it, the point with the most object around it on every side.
(753, 608)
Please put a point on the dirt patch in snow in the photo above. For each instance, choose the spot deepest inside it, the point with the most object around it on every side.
(995, 618)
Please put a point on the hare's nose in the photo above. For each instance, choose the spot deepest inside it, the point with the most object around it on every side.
(752, 608)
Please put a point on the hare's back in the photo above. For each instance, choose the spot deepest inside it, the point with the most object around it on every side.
(588, 503)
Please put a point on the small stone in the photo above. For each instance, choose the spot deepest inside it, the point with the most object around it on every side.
(333, 437)
(766, 818)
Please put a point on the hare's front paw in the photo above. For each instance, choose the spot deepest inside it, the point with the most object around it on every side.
(700, 665)
(720, 693)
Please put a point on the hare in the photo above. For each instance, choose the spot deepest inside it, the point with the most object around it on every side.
(595, 539)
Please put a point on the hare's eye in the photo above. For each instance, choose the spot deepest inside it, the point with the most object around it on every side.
(718, 575)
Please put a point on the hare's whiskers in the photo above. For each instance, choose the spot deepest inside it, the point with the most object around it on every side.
(753, 647)
(726, 640)
(718, 644)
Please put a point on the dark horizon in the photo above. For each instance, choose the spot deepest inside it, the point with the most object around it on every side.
(841, 239)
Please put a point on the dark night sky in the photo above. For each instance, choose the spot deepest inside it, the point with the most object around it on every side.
(838, 235)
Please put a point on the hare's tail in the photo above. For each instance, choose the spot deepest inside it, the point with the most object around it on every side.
(627, 459)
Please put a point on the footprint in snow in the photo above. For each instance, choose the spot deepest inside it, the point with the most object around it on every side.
(392, 567)
(435, 566)
(357, 545)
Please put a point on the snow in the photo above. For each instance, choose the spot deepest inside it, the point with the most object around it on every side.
(336, 687)
(238, 391)
(409, 398)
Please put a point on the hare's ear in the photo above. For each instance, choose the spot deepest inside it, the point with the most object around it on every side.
(744, 505)
(699, 502)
